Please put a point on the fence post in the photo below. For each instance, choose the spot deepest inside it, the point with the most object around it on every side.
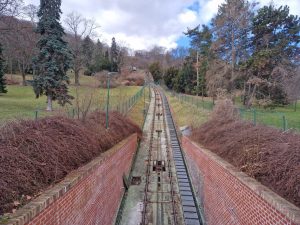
(284, 122)
(254, 116)
(36, 114)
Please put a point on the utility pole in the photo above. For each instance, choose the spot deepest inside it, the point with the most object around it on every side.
(197, 73)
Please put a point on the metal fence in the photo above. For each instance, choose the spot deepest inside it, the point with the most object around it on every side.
(122, 106)
(196, 101)
(272, 119)
(269, 118)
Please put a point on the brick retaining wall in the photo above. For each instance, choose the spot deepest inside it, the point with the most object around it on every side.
(229, 196)
(90, 195)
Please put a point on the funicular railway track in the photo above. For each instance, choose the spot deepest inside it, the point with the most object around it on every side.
(168, 195)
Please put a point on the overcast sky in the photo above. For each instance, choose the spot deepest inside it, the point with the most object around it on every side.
(141, 24)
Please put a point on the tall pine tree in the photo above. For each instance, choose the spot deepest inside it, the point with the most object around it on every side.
(231, 27)
(201, 41)
(275, 46)
(114, 56)
(54, 58)
(2, 80)
(87, 51)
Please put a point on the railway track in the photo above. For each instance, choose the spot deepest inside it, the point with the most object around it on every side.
(168, 197)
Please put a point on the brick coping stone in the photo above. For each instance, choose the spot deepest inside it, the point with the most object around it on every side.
(25, 214)
(288, 209)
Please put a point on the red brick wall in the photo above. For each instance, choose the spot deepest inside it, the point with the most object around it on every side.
(231, 197)
(95, 197)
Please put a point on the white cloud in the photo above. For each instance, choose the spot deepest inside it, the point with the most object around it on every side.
(293, 4)
(142, 24)
(188, 17)
(208, 8)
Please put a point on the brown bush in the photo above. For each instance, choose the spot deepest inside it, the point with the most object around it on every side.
(133, 78)
(266, 154)
(9, 80)
(225, 110)
(34, 155)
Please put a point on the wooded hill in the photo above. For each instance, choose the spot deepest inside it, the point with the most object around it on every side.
(248, 48)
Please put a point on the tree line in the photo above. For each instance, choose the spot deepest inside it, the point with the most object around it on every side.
(33, 41)
(245, 49)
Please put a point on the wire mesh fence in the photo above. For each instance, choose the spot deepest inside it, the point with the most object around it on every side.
(193, 100)
(120, 104)
(284, 121)
(272, 119)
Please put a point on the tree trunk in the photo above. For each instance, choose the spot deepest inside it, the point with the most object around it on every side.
(11, 69)
(233, 56)
(23, 78)
(249, 103)
(245, 94)
(76, 71)
(21, 69)
(77, 63)
(49, 103)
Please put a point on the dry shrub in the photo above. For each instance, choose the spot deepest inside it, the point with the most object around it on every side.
(225, 110)
(136, 78)
(126, 83)
(102, 79)
(9, 80)
(266, 154)
(35, 155)
(84, 102)
(112, 84)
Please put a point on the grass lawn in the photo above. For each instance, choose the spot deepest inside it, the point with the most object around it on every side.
(280, 117)
(187, 114)
(136, 113)
(20, 101)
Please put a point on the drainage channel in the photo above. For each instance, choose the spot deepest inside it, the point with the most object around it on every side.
(164, 193)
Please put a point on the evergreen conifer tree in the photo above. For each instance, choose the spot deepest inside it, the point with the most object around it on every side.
(87, 51)
(2, 80)
(54, 58)
(201, 41)
(275, 46)
(114, 56)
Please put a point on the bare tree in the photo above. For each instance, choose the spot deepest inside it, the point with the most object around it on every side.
(292, 86)
(19, 43)
(178, 55)
(30, 11)
(231, 27)
(218, 77)
(10, 7)
(25, 49)
(79, 27)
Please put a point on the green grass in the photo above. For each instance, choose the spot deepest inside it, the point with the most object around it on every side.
(283, 117)
(83, 80)
(201, 102)
(280, 117)
(186, 113)
(136, 114)
(20, 101)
